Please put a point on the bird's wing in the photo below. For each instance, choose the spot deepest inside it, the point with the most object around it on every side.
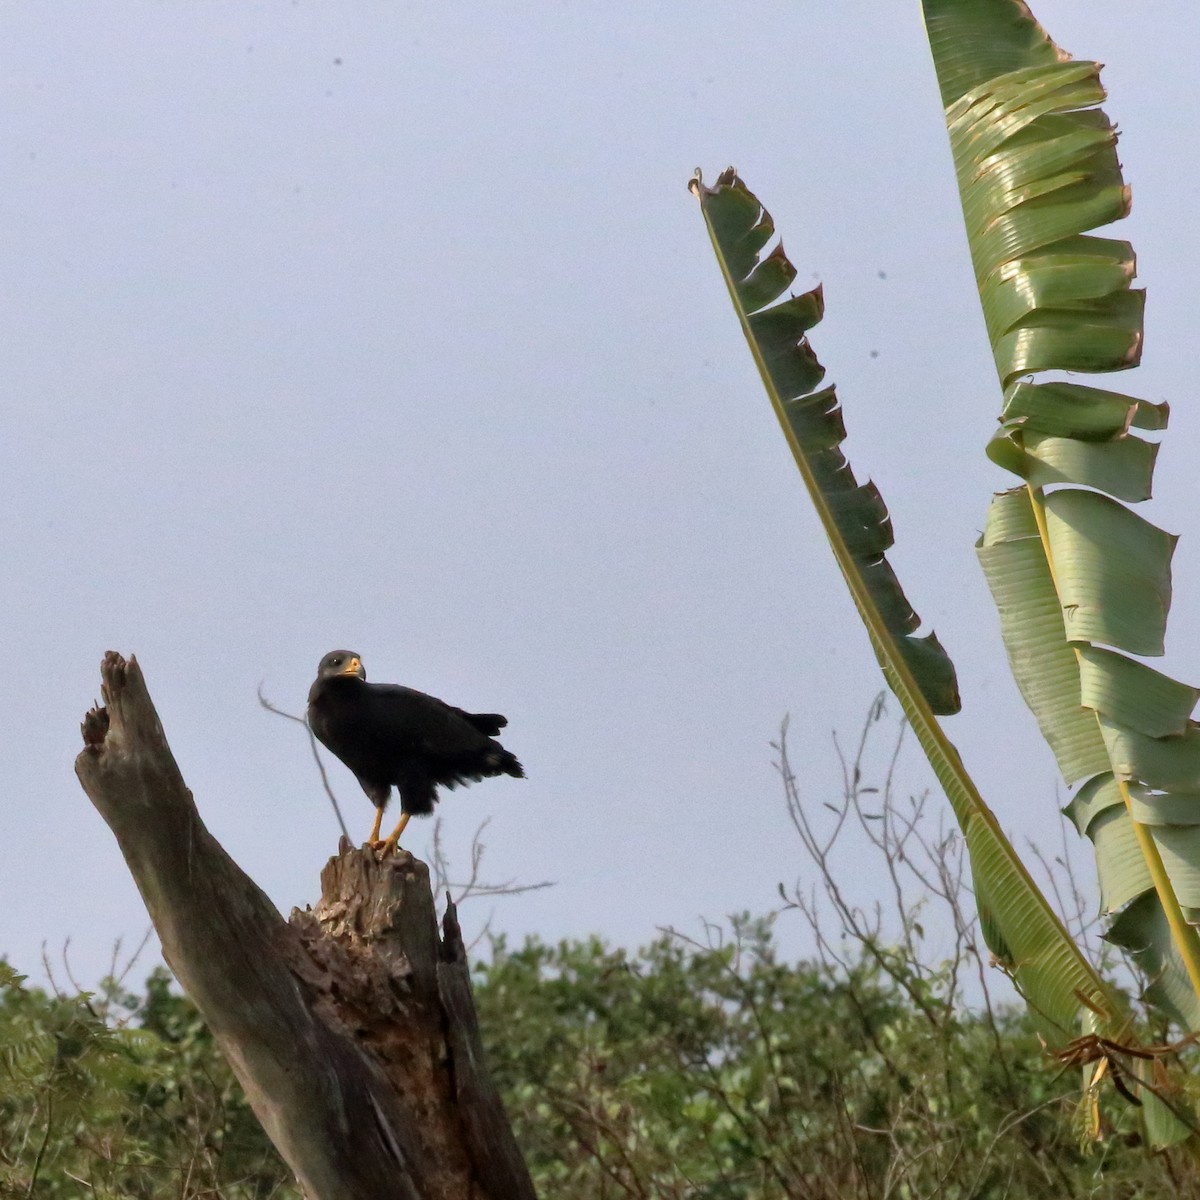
(487, 723)
(405, 716)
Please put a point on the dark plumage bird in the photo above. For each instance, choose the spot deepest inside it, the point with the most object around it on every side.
(394, 736)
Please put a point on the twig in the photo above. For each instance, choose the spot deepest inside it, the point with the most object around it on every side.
(312, 742)
(120, 978)
(41, 1152)
(440, 869)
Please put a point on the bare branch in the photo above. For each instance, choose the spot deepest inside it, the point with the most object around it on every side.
(312, 743)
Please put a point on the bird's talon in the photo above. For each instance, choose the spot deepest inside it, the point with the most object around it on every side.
(383, 847)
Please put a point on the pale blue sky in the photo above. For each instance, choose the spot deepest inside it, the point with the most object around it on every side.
(394, 327)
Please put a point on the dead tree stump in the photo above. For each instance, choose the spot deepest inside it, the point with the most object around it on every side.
(351, 1028)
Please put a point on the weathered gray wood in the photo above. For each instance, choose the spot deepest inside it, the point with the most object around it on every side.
(335, 1023)
(493, 1149)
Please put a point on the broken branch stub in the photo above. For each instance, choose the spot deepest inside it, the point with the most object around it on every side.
(351, 1028)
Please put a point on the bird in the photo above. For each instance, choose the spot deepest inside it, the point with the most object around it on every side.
(392, 736)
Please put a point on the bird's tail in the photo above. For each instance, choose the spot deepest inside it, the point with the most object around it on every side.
(502, 762)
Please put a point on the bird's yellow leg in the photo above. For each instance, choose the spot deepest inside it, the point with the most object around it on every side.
(394, 836)
(374, 838)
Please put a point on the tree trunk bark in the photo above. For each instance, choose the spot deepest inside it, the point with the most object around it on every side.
(351, 1028)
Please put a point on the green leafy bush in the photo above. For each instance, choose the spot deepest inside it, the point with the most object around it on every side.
(682, 1070)
(705, 1069)
(112, 1095)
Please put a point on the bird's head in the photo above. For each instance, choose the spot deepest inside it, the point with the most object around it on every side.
(341, 662)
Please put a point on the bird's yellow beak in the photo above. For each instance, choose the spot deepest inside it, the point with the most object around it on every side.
(353, 666)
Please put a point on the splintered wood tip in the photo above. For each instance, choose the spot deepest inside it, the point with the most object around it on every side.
(119, 675)
(95, 726)
(112, 669)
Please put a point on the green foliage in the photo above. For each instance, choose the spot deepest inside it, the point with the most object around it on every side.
(718, 1071)
(111, 1095)
(711, 1071)
(854, 515)
(1087, 582)
(1020, 927)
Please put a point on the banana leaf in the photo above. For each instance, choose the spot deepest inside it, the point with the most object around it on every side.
(1081, 582)
(1024, 934)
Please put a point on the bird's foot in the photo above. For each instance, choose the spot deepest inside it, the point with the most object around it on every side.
(384, 847)
(389, 845)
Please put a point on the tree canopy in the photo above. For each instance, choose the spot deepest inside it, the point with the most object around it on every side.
(685, 1069)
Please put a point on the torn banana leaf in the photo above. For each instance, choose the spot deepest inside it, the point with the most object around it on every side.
(1020, 928)
(1081, 582)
